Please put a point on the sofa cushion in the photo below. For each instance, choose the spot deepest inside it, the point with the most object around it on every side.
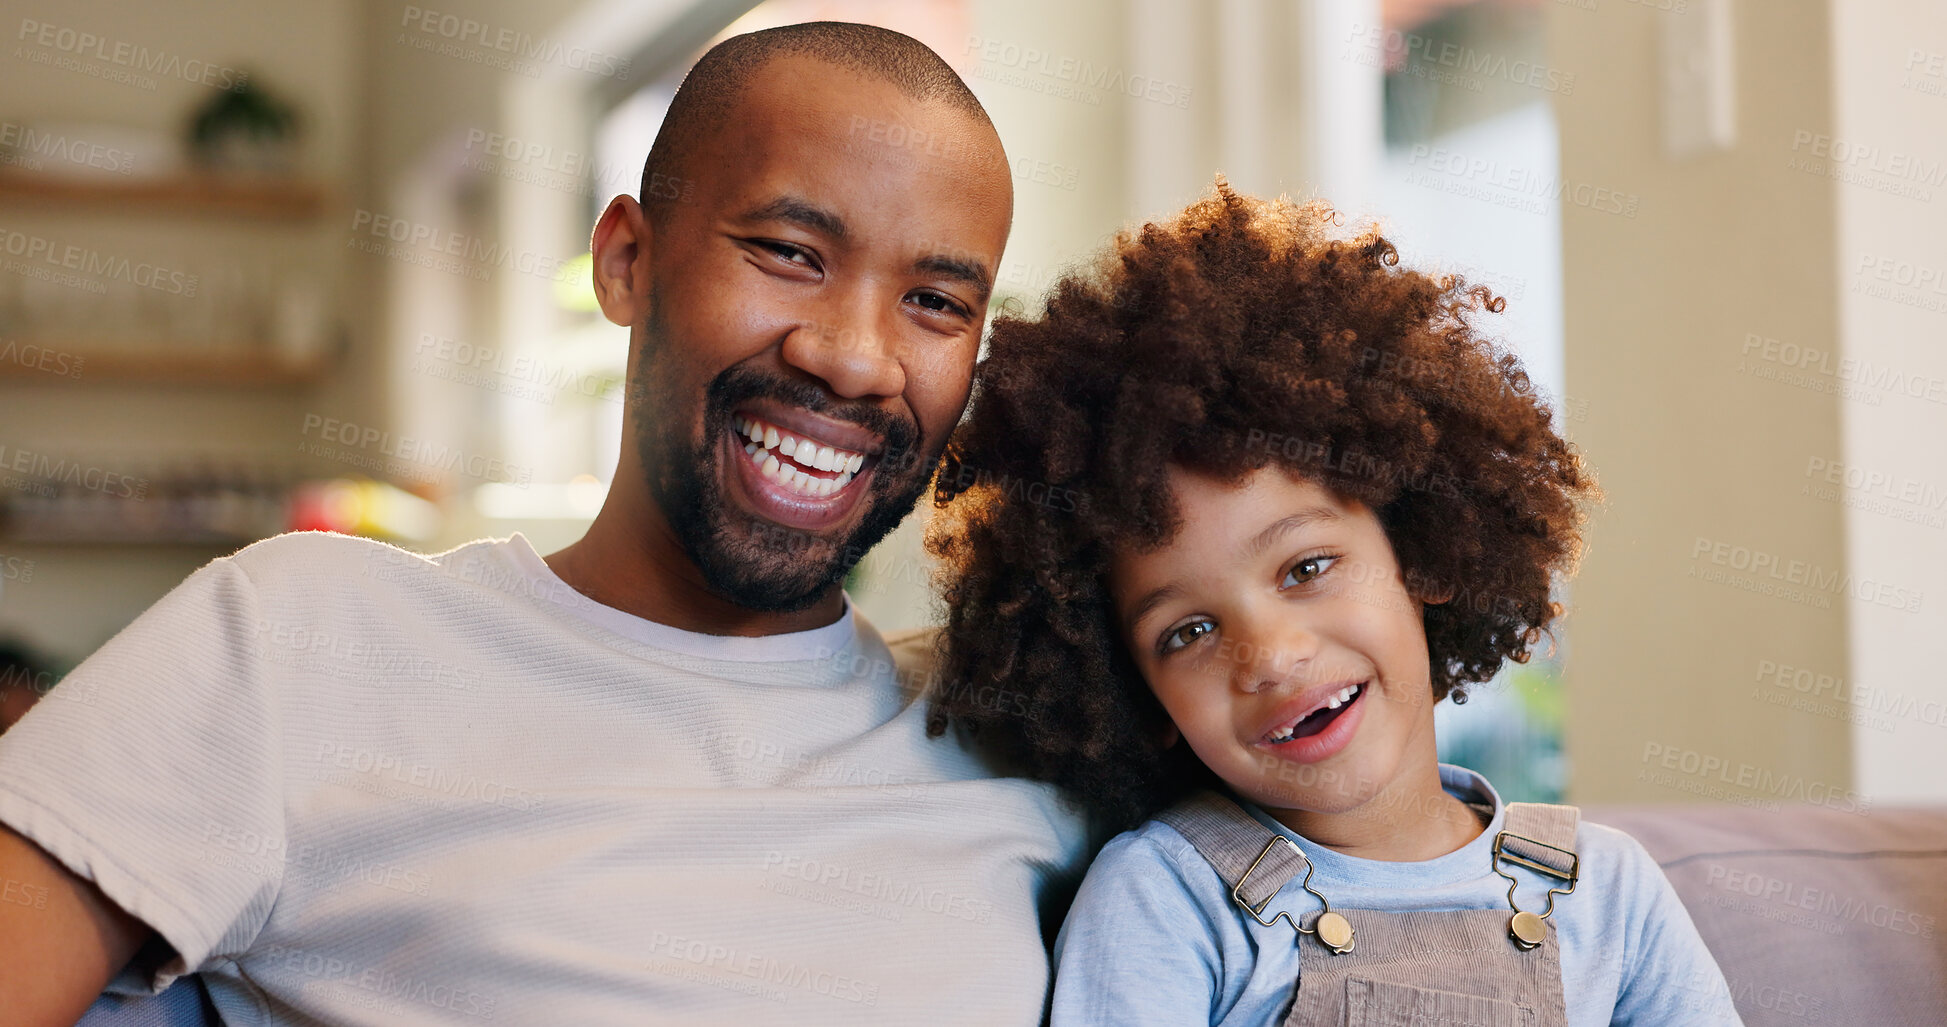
(1816, 916)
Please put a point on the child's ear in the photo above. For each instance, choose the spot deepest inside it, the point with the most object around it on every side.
(1428, 591)
(1171, 735)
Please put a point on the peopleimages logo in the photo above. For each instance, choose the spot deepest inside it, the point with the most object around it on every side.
(29, 148)
(40, 358)
(38, 251)
(515, 44)
(426, 244)
(1011, 63)
(405, 449)
(74, 43)
(1701, 774)
(1797, 579)
(52, 470)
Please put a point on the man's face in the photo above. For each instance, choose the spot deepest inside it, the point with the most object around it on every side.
(814, 312)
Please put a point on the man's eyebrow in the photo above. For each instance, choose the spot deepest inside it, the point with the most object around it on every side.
(972, 272)
(1151, 601)
(801, 212)
(1285, 526)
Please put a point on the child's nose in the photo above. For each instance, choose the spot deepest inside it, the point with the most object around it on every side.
(1268, 658)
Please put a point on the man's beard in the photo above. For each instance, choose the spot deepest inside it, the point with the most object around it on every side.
(753, 563)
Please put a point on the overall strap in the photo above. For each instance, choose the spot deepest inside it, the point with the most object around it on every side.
(1231, 840)
(1553, 826)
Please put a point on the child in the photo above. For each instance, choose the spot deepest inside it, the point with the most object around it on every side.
(1227, 521)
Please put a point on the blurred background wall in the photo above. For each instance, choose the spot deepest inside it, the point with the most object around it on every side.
(276, 265)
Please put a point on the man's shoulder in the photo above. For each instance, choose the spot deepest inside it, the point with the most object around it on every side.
(915, 658)
(308, 556)
(323, 549)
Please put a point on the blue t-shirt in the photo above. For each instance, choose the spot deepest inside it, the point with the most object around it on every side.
(1154, 938)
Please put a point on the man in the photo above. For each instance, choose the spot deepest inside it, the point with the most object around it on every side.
(664, 776)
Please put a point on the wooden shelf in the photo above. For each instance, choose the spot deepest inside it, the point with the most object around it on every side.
(166, 368)
(243, 196)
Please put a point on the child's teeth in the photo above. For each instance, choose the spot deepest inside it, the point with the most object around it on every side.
(1344, 696)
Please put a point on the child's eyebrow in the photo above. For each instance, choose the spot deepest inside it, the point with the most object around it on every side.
(1285, 526)
(1155, 598)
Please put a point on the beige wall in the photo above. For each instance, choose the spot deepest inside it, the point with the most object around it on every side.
(1889, 135)
(1695, 449)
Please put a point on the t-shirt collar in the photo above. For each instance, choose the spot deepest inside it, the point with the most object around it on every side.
(1465, 863)
(816, 643)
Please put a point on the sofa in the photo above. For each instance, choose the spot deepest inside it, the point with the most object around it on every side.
(1816, 916)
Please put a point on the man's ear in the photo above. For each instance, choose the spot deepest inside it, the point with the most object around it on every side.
(621, 250)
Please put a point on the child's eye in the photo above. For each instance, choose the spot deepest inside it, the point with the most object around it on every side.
(1308, 569)
(1182, 635)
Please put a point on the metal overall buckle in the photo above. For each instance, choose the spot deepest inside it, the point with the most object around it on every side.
(1527, 929)
(1331, 929)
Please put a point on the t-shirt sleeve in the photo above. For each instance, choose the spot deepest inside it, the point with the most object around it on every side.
(155, 770)
(1670, 975)
(1137, 946)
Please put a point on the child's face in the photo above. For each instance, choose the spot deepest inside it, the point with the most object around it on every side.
(1274, 600)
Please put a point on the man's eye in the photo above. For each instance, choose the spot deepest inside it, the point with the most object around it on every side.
(791, 254)
(1179, 637)
(937, 303)
(1308, 569)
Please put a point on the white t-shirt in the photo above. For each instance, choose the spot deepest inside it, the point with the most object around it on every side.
(354, 785)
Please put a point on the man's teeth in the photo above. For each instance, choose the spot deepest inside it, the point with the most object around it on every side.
(1343, 696)
(767, 444)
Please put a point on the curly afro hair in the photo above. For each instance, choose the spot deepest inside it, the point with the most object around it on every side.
(1240, 334)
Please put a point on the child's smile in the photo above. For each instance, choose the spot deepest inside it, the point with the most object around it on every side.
(1276, 630)
(1324, 722)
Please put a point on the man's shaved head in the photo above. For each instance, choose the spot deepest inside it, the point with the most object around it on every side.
(712, 88)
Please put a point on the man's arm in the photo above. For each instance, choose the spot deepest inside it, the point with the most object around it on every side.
(61, 939)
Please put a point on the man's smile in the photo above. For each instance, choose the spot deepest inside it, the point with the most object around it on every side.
(798, 468)
(798, 461)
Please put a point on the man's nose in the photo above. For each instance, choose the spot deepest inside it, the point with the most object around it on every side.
(852, 350)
